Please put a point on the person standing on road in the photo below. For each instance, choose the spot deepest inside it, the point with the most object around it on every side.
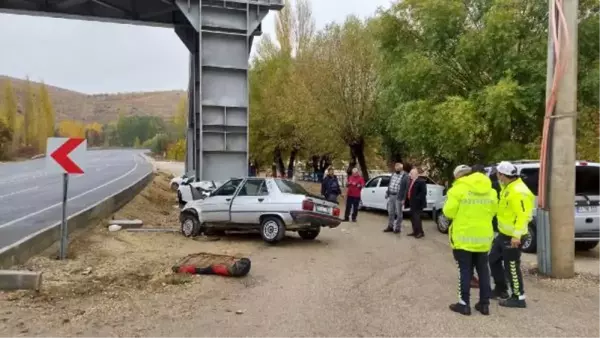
(396, 194)
(471, 205)
(514, 213)
(355, 185)
(330, 188)
(417, 198)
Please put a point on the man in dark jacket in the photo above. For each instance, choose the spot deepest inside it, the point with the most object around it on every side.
(330, 188)
(417, 201)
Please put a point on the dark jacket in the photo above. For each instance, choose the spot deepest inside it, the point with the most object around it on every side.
(330, 186)
(418, 195)
(404, 183)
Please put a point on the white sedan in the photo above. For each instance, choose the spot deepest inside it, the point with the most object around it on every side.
(373, 194)
(189, 190)
(269, 205)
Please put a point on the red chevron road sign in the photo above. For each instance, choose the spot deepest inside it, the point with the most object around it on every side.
(67, 154)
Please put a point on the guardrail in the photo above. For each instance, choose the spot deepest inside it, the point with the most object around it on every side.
(21, 251)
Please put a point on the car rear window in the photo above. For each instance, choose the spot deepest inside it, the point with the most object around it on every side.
(587, 180)
(289, 187)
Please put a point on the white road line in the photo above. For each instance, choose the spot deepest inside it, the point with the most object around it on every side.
(17, 192)
(70, 199)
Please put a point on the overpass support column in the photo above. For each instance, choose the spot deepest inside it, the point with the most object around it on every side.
(219, 35)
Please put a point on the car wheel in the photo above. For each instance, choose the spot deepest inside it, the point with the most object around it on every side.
(585, 246)
(190, 226)
(443, 224)
(272, 230)
(174, 186)
(309, 234)
(529, 241)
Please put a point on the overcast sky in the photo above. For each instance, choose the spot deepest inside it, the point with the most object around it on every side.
(93, 57)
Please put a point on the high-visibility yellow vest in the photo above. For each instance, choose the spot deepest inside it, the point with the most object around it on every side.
(515, 209)
(471, 204)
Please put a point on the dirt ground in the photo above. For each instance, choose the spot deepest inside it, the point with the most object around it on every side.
(352, 281)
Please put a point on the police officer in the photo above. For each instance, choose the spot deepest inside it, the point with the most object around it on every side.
(514, 213)
(471, 204)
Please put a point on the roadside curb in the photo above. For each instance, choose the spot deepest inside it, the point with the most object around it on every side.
(21, 251)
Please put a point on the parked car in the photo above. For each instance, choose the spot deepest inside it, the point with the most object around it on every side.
(587, 201)
(373, 194)
(270, 205)
(176, 181)
(190, 190)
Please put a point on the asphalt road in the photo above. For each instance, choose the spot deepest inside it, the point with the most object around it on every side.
(31, 196)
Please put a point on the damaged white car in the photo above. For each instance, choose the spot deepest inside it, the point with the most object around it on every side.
(269, 205)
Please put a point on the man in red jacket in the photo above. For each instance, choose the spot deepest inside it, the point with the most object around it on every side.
(355, 185)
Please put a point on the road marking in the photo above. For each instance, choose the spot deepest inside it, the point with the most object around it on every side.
(18, 192)
(70, 199)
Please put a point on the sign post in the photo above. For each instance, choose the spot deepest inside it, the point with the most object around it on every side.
(65, 156)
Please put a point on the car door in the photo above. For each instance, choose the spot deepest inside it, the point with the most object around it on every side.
(435, 193)
(368, 193)
(250, 202)
(379, 199)
(215, 208)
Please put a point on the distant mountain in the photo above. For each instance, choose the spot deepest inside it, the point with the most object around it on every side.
(102, 108)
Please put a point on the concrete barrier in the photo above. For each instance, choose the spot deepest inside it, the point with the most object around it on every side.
(21, 251)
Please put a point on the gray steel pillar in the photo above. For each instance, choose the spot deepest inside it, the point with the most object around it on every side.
(219, 37)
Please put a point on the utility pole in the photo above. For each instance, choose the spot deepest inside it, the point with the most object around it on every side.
(561, 165)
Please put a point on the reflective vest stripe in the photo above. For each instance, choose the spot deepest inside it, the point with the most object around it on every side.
(474, 240)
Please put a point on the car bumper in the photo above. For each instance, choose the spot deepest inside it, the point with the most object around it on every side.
(313, 218)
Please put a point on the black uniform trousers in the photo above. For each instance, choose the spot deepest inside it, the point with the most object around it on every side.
(415, 220)
(505, 264)
(352, 203)
(466, 261)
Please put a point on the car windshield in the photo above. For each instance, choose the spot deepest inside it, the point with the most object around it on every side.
(289, 187)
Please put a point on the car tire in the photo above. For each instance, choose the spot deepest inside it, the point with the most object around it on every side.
(585, 246)
(529, 241)
(272, 229)
(442, 223)
(174, 186)
(190, 226)
(309, 234)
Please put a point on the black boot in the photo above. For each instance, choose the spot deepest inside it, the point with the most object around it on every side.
(514, 302)
(460, 308)
(388, 229)
(484, 309)
(499, 294)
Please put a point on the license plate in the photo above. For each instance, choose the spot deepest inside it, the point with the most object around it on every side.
(322, 209)
(587, 209)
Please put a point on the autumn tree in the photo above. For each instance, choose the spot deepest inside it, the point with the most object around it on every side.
(8, 113)
(30, 114)
(69, 128)
(345, 83)
(45, 117)
(5, 140)
(180, 119)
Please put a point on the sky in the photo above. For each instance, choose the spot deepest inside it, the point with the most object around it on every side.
(94, 57)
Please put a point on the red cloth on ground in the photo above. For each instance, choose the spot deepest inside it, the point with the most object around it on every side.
(355, 185)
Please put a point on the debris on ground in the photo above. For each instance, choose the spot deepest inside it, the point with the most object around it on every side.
(127, 224)
(107, 267)
(211, 264)
(114, 227)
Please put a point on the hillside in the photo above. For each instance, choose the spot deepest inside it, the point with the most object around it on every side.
(102, 108)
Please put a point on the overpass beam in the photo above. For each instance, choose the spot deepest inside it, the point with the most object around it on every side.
(219, 36)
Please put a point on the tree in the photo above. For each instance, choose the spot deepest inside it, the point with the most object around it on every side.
(5, 141)
(69, 128)
(345, 83)
(180, 118)
(30, 113)
(137, 143)
(8, 112)
(46, 117)
(461, 80)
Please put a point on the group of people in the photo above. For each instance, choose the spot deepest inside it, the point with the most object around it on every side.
(487, 226)
(488, 220)
(404, 190)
